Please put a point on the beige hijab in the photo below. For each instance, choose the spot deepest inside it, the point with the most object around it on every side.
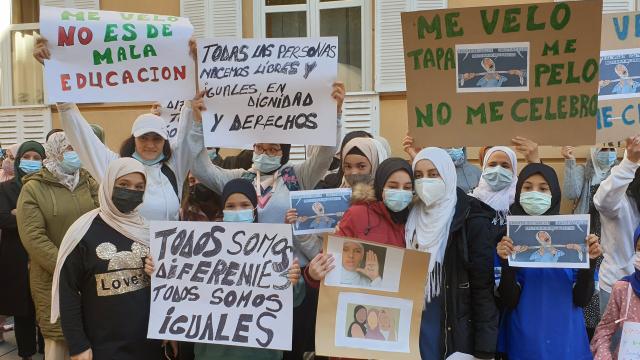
(131, 225)
(369, 148)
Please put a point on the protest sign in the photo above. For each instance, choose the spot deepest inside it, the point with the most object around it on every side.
(372, 321)
(549, 241)
(319, 210)
(221, 283)
(478, 76)
(630, 340)
(108, 56)
(268, 90)
(170, 113)
(619, 86)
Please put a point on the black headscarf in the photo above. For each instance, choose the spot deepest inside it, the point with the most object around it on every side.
(385, 170)
(633, 190)
(548, 174)
(334, 180)
(24, 148)
(244, 187)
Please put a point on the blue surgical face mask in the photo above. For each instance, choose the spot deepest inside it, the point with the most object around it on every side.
(457, 155)
(397, 200)
(70, 162)
(242, 216)
(148, 162)
(535, 203)
(497, 177)
(266, 163)
(606, 158)
(30, 166)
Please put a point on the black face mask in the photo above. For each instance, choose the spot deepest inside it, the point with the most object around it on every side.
(200, 193)
(126, 200)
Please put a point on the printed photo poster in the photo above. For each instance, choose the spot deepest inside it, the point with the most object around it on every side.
(619, 85)
(319, 211)
(364, 265)
(268, 90)
(170, 113)
(222, 283)
(549, 241)
(361, 319)
(108, 56)
(477, 76)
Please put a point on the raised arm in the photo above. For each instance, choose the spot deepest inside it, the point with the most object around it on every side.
(612, 191)
(212, 176)
(189, 140)
(95, 155)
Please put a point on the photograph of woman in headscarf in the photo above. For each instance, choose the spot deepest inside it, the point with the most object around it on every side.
(362, 266)
(372, 322)
(547, 252)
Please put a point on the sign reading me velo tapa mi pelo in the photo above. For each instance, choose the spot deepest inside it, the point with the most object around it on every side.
(222, 283)
(108, 56)
(483, 75)
(268, 90)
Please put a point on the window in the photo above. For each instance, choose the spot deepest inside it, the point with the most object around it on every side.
(349, 20)
(22, 80)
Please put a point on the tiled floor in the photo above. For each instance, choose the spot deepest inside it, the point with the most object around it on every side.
(9, 351)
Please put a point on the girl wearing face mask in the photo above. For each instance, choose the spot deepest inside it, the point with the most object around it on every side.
(618, 202)
(531, 329)
(50, 200)
(272, 175)
(497, 186)
(239, 206)
(623, 307)
(460, 314)
(7, 172)
(107, 243)
(13, 257)
(580, 184)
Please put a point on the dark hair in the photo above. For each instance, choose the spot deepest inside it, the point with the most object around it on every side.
(51, 132)
(128, 147)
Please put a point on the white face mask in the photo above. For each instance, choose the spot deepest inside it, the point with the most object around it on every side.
(430, 190)
(636, 261)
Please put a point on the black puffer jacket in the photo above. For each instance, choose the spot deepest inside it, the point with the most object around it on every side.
(470, 321)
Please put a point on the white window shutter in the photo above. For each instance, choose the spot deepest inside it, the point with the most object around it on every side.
(611, 6)
(389, 55)
(195, 10)
(18, 125)
(361, 112)
(56, 3)
(225, 19)
(429, 4)
(298, 154)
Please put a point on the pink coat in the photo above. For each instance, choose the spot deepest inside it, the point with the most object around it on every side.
(601, 343)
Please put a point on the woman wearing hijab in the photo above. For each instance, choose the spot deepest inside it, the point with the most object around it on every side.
(468, 174)
(50, 201)
(544, 318)
(623, 307)
(334, 178)
(240, 204)
(107, 243)
(618, 202)
(580, 185)
(460, 313)
(17, 301)
(7, 172)
(379, 212)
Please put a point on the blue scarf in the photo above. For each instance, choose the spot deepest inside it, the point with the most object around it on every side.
(634, 279)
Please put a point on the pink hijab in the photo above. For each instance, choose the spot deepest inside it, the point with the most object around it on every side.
(7, 172)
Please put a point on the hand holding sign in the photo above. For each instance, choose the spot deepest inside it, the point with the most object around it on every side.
(595, 250)
(41, 51)
(633, 149)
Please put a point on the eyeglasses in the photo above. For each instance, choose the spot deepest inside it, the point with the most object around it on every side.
(269, 150)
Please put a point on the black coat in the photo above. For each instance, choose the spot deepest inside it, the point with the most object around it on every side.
(14, 287)
(470, 321)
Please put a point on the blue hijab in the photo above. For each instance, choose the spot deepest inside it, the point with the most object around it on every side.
(634, 279)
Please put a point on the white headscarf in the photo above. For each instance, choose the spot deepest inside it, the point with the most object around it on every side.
(54, 149)
(371, 149)
(599, 173)
(501, 200)
(428, 228)
(131, 225)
